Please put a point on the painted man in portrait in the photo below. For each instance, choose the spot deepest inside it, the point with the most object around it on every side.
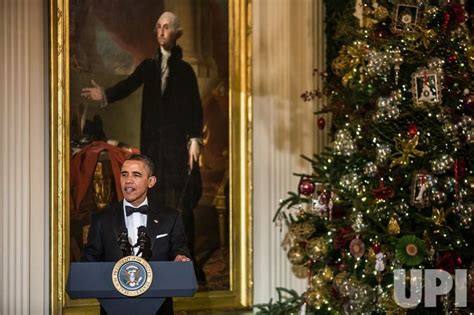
(171, 120)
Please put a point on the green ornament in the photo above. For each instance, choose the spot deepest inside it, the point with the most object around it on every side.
(410, 250)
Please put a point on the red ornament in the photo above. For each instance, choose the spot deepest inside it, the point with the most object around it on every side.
(377, 248)
(452, 58)
(344, 235)
(383, 192)
(306, 187)
(459, 168)
(380, 32)
(412, 130)
(457, 13)
(448, 261)
(446, 18)
(469, 101)
(321, 123)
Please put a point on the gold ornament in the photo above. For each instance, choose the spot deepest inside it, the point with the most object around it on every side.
(387, 302)
(469, 50)
(430, 11)
(369, 22)
(339, 279)
(470, 182)
(347, 78)
(317, 280)
(419, 34)
(405, 150)
(350, 61)
(371, 254)
(327, 273)
(393, 226)
(296, 255)
(380, 13)
(316, 248)
(302, 230)
(412, 38)
(439, 216)
(339, 66)
(300, 271)
(430, 35)
(316, 297)
(373, 15)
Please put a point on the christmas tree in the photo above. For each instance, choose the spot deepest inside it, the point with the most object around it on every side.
(395, 189)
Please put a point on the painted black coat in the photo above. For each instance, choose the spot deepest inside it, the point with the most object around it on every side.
(168, 121)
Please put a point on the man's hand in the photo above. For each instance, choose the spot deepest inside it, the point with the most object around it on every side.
(94, 93)
(181, 258)
(194, 153)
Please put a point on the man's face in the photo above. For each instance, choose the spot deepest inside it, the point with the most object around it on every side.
(135, 181)
(165, 33)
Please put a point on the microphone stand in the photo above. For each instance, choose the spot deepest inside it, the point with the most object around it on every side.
(143, 244)
(124, 244)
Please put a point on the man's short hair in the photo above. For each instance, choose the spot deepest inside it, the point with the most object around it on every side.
(175, 23)
(145, 159)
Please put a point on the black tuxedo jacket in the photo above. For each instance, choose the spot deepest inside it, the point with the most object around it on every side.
(106, 225)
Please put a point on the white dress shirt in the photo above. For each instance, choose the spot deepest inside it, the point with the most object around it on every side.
(134, 221)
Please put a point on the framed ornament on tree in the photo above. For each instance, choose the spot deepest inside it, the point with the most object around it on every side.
(426, 87)
(404, 16)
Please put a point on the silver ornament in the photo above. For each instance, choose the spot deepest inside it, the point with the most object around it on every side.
(350, 181)
(382, 153)
(370, 169)
(442, 164)
(343, 143)
(358, 224)
(438, 197)
(448, 184)
(436, 63)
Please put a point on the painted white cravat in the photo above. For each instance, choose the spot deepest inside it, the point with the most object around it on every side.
(164, 69)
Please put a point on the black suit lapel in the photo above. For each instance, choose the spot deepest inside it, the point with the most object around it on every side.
(119, 219)
(153, 222)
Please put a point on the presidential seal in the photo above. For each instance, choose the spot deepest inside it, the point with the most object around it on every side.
(132, 276)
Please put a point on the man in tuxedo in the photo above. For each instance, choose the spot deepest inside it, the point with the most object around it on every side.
(164, 225)
(171, 121)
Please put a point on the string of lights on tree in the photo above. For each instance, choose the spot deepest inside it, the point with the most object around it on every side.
(395, 189)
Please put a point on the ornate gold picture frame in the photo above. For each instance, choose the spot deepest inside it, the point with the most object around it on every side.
(236, 209)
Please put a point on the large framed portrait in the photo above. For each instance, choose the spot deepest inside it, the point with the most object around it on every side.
(103, 42)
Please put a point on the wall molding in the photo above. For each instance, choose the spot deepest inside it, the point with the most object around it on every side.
(23, 177)
(285, 38)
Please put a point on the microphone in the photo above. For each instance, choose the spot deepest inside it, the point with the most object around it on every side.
(124, 244)
(143, 243)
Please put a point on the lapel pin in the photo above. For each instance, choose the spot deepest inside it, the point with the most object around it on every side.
(156, 221)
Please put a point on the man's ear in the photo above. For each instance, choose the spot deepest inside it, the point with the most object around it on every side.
(151, 181)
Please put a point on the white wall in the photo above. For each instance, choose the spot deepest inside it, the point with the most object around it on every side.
(23, 159)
